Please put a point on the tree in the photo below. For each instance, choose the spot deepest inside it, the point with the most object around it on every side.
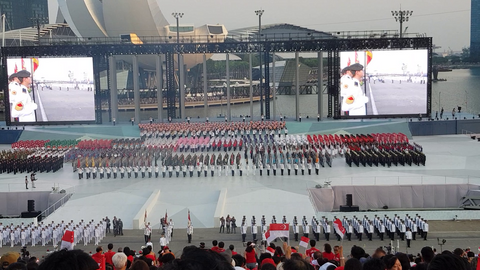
(466, 54)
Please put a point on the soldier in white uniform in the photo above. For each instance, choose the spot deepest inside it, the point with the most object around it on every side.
(22, 107)
(353, 97)
(254, 231)
(189, 232)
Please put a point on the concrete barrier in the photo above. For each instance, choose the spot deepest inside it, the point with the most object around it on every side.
(222, 199)
(139, 219)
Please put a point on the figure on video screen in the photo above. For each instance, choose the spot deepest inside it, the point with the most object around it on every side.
(21, 104)
(353, 97)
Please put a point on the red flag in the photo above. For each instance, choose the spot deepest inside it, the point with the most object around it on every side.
(23, 64)
(337, 224)
(67, 240)
(35, 64)
(189, 216)
(15, 70)
(145, 218)
(356, 57)
(349, 62)
(277, 230)
(304, 242)
(369, 56)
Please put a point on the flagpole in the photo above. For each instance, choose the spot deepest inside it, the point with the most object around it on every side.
(365, 78)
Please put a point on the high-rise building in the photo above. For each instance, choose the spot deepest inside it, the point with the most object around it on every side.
(20, 13)
(475, 30)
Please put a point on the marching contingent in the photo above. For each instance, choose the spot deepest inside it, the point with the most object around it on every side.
(210, 149)
(84, 232)
(406, 228)
(237, 148)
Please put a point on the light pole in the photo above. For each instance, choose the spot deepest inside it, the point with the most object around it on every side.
(259, 14)
(177, 16)
(401, 16)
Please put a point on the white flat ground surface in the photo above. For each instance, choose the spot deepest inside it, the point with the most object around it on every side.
(450, 159)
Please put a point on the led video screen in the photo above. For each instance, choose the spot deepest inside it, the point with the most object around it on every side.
(382, 83)
(51, 89)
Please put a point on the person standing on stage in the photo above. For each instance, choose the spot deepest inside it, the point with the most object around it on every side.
(32, 178)
(189, 232)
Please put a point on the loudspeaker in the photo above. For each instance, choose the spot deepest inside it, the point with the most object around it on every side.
(349, 200)
(31, 205)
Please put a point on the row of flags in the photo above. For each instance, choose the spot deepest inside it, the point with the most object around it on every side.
(35, 64)
(369, 55)
(166, 216)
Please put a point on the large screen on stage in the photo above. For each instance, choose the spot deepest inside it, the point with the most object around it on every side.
(58, 89)
(382, 83)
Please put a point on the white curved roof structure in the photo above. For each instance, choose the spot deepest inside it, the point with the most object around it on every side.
(112, 18)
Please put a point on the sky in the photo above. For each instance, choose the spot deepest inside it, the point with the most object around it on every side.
(448, 22)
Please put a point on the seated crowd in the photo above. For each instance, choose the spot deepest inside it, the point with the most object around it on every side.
(253, 257)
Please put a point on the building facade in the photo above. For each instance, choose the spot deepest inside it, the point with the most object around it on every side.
(20, 13)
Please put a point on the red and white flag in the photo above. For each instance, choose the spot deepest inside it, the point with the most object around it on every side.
(339, 229)
(271, 250)
(304, 242)
(276, 231)
(189, 220)
(145, 217)
(67, 240)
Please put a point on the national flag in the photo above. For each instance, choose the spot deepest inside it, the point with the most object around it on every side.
(271, 250)
(189, 220)
(166, 217)
(349, 61)
(35, 64)
(369, 56)
(145, 216)
(304, 242)
(339, 229)
(356, 57)
(15, 70)
(23, 64)
(276, 231)
(67, 240)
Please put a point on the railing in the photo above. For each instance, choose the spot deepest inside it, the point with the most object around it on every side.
(250, 37)
(52, 208)
(401, 180)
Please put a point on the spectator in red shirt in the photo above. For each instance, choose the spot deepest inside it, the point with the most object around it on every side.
(221, 247)
(309, 252)
(99, 258)
(328, 254)
(232, 247)
(214, 244)
(250, 256)
(109, 254)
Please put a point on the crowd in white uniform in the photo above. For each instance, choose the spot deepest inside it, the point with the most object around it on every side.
(44, 234)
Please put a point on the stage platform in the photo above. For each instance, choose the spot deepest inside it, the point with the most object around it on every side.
(451, 159)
